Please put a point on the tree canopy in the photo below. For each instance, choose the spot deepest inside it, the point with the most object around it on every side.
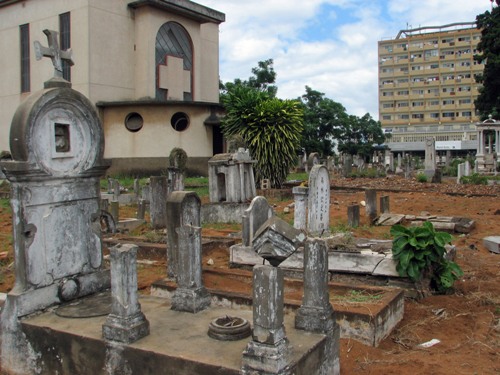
(270, 128)
(488, 101)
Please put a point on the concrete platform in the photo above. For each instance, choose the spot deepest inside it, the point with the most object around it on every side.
(369, 321)
(178, 344)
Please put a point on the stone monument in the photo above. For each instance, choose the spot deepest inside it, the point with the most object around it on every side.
(57, 146)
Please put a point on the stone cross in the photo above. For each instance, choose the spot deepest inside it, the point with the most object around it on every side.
(54, 52)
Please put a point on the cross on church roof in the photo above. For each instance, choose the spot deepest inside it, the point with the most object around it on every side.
(54, 52)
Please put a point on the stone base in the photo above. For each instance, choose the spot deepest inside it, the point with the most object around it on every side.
(191, 300)
(315, 320)
(267, 359)
(126, 330)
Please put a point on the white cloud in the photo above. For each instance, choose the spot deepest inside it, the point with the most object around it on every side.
(342, 63)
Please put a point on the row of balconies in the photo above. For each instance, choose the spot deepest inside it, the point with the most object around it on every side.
(458, 68)
(386, 61)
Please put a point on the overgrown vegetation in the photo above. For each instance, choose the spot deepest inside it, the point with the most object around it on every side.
(421, 178)
(421, 250)
(367, 173)
(474, 179)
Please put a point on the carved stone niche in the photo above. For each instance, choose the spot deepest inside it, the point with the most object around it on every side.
(57, 147)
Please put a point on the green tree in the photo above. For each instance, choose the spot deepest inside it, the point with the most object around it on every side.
(359, 134)
(263, 79)
(488, 101)
(270, 128)
(324, 120)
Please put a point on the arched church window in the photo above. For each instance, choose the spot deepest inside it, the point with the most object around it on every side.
(174, 63)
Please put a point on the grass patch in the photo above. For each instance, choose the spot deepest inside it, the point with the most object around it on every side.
(196, 181)
(301, 176)
(5, 204)
(358, 296)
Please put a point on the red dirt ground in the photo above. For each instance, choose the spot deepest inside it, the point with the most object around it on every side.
(467, 321)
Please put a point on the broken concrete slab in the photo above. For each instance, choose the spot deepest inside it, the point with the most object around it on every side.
(388, 219)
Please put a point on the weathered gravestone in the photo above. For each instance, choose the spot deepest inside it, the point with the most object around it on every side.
(158, 204)
(319, 201)
(183, 208)
(300, 194)
(57, 146)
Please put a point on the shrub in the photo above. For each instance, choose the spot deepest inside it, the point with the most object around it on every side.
(421, 177)
(417, 249)
(474, 179)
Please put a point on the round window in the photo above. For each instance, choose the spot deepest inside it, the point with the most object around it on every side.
(179, 121)
(134, 122)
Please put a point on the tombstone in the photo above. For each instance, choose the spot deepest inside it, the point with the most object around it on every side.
(141, 209)
(467, 168)
(347, 169)
(384, 204)
(146, 193)
(254, 216)
(114, 210)
(389, 160)
(158, 203)
(137, 188)
(231, 177)
(460, 172)
(353, 215)
(300, 194)
(116, 190)
(175, 180)
(316, 313)
(183, 208)
(110, 185)
(190, 295)
(430, 158)
(57, 147)
(126, 323)
(408, 167)
(313, 160)
(318, 220)
(371, 204)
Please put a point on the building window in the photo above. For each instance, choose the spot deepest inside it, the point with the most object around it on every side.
(65, 42)
(179, 121)
(134, 122)
(173, 40)
(24, 33)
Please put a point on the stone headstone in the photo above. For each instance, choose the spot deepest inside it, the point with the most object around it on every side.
(430, 158)
(347, 166)
(190, 295)
(319, 200)
(384, 204)
(353, 215)
(300, 194)
(253, 217)
(183, 208)
(371, 204)
(57, 147)
(158, 204)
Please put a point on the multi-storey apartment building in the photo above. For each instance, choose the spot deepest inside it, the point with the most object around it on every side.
(427, 87)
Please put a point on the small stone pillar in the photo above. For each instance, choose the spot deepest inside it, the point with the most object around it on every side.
(371, 204)
(141, 209)
(137, 188)
(126, 323)
(269, 352)
(190, 295)
(353, 215)
(384, 204)
(110, 185)
(175, 179)
(114, 210)
(316, 314)
(116, 190)
(146, 193)
(300, 194)
(158, 204)
(347, 170)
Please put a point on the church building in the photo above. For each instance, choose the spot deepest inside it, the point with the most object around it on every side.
(151, 67)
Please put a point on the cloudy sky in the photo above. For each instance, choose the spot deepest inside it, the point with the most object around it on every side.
(329, 45)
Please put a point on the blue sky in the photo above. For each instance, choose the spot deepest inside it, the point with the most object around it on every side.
(329, 45)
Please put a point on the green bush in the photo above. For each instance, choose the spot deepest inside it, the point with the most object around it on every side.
(421, 177)
(417, 249)
(474, 179)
